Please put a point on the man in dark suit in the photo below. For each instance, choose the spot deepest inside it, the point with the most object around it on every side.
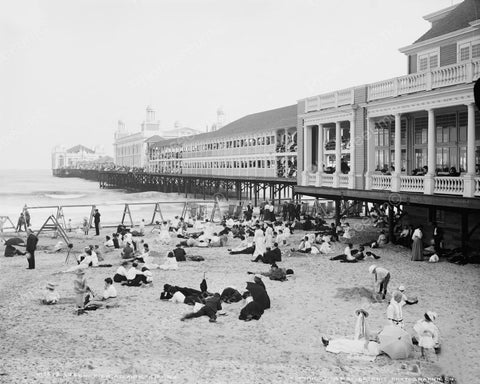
(32, 241)
(96, 220)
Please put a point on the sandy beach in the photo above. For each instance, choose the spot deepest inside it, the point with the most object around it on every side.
(144, 341)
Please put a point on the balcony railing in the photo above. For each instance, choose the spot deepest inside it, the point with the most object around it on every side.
(330, 100)
(448, 185)
(343, 181)
(425, 81)
(381, 182)
(477, 186)
(411, 183)
(327, 180)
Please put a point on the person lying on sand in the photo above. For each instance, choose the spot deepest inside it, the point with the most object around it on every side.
(361, 343)
(231, 295)
(135, 278)
(249, 250)
(275, 273)
(212, 305)
(347, 256)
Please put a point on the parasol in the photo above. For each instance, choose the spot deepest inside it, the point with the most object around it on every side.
(395, 342)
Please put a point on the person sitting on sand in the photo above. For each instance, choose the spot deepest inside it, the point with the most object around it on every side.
(121, 274)
(231, 295)
(147, 274)
(212, 305)
(394, 310)
(270, 256)
(50, 295)
(249, 250)
(135, 278)
(116, 243)
(380, 280)
(346, 257)
(304, 247)
(406, 300)
(170, 262)
(380, 241)
(109, 242)
(180, 254)
(127, 252)
(427, 334)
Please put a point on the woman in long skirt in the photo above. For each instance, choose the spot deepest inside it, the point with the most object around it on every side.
(417, 246)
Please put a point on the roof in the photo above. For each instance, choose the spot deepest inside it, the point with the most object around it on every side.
(154, 139)
(80, 148)
(285, 117)
(458, 18)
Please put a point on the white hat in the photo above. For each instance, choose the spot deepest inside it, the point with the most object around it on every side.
(401, 288)
(432, 315)
(371, 269)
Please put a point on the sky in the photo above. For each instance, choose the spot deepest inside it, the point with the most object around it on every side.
(69, 70)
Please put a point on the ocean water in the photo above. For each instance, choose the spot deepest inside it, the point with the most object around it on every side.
(38, 188)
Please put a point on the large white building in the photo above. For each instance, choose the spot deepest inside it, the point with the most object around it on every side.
(130, 149)
(72, 157)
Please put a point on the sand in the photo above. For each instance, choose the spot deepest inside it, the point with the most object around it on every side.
(144, 340)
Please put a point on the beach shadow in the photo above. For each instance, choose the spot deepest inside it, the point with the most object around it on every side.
(355, 293)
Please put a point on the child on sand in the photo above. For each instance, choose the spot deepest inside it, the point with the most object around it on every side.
(80, 287)
(50, 295)
(427, 333)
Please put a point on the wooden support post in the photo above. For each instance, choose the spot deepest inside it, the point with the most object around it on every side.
(391, 224)
(464, 231)
(338, 204)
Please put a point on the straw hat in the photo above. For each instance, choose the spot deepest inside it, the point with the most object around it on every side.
(51, 285)
(401, 288)
(371, 269)
(358, 311)
(432, 315)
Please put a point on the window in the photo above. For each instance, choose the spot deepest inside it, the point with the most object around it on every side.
(428, 60)
(468, 50)
(385, 144)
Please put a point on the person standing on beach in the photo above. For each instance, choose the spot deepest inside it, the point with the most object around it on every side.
(96, 220)
(417, 245)
(21, 223)
(27, 215)
(381, 280)
(32, 241)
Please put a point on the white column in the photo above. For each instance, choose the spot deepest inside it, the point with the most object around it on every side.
(429, 184)
(398, 154)
(338, 155)
(469, 178)
(351, 175)
(318, 181)
(370, 137)
(307, 154)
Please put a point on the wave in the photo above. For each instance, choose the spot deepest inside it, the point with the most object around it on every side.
(63, 195)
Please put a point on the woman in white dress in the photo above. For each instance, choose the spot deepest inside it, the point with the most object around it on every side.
(427, 333)
(164, 236)
(269, 237)
(259, 240)
(170, 262)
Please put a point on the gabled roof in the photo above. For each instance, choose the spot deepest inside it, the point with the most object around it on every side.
(154, 139)
(80, 148)
(285, 117)
(458, 18)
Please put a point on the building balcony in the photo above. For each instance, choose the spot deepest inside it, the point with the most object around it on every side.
(446, 76)
(330, 100)
(442, 185)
